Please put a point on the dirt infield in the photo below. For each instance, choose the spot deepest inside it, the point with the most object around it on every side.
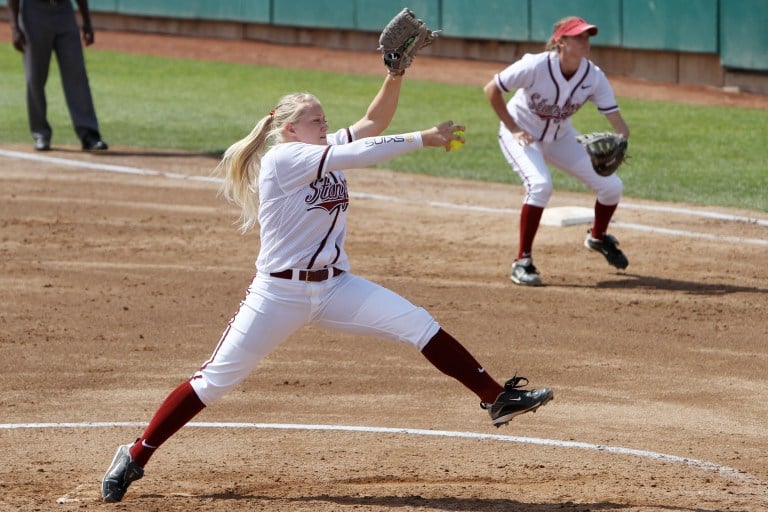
(117, 285)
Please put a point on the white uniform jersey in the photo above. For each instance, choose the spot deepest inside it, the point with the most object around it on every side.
(302, 208)
(303, 198)
(545, 100)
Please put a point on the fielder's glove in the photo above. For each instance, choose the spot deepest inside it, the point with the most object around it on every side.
(402, 38)
(607, 151)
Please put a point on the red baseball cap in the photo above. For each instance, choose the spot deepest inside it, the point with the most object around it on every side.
(574, 27)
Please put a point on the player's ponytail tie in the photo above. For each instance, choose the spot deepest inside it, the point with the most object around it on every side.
(271, 114)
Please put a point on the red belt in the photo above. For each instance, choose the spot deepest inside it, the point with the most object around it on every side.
(313, 276)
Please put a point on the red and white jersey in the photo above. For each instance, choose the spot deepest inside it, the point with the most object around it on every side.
(303, 197)
(545, 100)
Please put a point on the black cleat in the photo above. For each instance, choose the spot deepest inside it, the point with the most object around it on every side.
(525, 273)
(514, 401)
(608, 247)
(119, 476)
(42, 143)
(92, 142)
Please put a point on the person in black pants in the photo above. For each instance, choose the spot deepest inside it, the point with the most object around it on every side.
(39, 28)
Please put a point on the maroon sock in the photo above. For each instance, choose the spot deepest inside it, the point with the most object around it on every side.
(530, 218)
(181, 406)
(603, 215)
(451, 358)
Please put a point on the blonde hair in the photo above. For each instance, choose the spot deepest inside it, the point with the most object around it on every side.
(551, 43)
(242, 160)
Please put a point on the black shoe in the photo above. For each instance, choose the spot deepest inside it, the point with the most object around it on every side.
(42, 144)
(93, 143)
(608, 247)
(525, 273)
(119, 476)
(514, 401)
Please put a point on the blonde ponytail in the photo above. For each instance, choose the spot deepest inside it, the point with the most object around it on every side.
(240, 167)
(242, 160)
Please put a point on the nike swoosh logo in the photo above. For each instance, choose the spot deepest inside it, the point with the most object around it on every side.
(586, 86)
(481, 370)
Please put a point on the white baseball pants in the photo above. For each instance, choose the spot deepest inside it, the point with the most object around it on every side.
(530, 162)
(274, 308)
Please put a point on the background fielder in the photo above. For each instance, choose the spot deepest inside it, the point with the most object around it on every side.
(535, 130)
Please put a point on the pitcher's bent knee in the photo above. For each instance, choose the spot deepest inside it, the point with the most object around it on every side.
(208, 392)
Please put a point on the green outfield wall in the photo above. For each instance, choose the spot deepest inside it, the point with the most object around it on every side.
(704, 41)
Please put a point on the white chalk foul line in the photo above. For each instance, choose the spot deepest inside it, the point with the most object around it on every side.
(81, 164)
(690, 234)
(120, 169)
(726, 471)
(696, 213)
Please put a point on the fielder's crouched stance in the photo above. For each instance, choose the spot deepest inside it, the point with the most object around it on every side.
(535, 130)
(303, 277)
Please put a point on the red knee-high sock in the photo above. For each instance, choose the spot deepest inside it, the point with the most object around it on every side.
(181, 406)
(530, 218)
(603, 215)
(451, 358)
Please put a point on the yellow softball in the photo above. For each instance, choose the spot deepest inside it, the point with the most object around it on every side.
(457, 144)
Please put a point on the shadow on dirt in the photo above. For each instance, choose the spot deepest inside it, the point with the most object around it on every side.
(449, 503)
(463, 504)
(636, 281)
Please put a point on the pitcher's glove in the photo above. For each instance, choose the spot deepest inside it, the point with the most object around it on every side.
(402, 38)
(607, 151)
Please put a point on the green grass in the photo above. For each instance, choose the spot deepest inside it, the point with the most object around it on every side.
(684, 153)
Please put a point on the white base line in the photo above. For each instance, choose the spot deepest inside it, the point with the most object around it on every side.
(120, 169)
(80, 164)
(689, 234)
(726, 471)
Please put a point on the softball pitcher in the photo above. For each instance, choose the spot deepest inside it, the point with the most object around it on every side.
(535, 130)
(303, 272)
